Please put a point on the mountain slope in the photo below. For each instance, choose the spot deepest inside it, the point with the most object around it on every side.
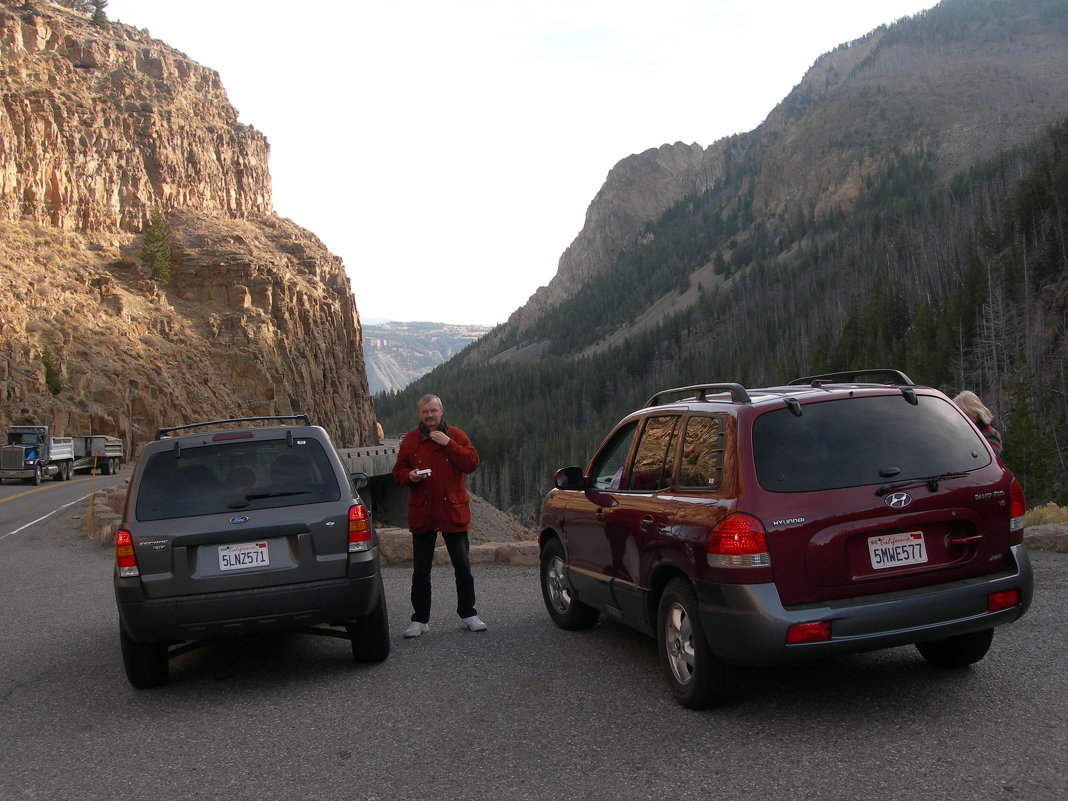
(951, 86)
(397, 353)
(874, 219)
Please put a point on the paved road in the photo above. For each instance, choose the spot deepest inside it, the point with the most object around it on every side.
(24, 505)
(524, 711)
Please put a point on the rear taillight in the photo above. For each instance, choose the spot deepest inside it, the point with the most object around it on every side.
(738, 542)
(359, 529)
(1017, 510)
(125, 561)
(1006, 599)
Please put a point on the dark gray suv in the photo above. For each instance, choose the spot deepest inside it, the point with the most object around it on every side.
(248, 525)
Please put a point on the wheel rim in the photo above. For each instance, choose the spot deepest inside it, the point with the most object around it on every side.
(556, 585)
(678, 642)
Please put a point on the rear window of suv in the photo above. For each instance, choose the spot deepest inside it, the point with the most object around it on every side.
(228, 477)
(863, 440)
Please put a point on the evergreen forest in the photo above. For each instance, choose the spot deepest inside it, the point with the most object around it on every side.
(961, 285)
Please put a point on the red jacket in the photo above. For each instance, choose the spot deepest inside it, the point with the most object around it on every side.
(440, 502)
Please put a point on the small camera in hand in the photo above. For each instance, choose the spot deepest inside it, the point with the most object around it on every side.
(424, 473)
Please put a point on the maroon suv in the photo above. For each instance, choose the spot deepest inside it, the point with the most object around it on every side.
(759, 526)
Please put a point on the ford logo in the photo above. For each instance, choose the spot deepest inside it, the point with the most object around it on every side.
(899, 500)
(243, 519)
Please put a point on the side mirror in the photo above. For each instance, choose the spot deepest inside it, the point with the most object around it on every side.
(360, 480)
(568, 478)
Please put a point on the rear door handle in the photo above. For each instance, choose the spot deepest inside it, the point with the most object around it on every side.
(966, 540)
(646, 524)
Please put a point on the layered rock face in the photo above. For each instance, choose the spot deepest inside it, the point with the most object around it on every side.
(98, 127)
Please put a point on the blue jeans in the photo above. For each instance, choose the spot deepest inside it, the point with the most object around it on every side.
(423, 545)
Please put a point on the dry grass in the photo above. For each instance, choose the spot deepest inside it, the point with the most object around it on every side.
(1048, 513)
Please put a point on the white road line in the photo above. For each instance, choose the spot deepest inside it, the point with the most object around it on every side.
(44, 517)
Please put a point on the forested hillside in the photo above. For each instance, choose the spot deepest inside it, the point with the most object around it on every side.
(959, 281)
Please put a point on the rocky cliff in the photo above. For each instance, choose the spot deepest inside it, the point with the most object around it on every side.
(959, 83)
(100, 125)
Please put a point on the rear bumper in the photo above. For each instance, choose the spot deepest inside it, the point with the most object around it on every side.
(225, 614)
(746, 624)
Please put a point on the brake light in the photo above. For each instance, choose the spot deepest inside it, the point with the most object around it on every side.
(817, 631)
(359, 529)
(1017, 510)
(1006, 599)
(125, 560)
(738, 541)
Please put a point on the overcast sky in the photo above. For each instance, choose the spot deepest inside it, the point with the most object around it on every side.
(447, 150)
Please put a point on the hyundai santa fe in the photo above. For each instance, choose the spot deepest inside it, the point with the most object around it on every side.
(840, 513)
(243, 526)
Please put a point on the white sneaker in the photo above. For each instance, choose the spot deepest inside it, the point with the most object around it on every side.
(415, 628)
(473, 623)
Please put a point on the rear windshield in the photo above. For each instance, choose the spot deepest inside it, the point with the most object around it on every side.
(859, 441)
(235, 476)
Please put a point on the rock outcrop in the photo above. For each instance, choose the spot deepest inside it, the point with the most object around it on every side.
(99, 126)
(957, 82)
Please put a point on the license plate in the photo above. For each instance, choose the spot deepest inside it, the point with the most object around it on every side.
(895, 550)
(243, 555)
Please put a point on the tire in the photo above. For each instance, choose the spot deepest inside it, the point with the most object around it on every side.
(697, 678)
(37, 477)
(105, 467)
(146, 663)
(564, 608)
(370, 635)
(959, 651)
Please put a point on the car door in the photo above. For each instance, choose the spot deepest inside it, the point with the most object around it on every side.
(588, 555)
(637, 520)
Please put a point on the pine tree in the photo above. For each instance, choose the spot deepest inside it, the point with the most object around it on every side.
(156, 248)
(99, 18)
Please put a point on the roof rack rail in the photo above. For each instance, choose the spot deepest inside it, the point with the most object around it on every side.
(162, 432)
(701, 392)
(878, 375)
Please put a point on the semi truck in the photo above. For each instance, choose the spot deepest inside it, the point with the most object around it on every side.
(31, 454)
(98, 452)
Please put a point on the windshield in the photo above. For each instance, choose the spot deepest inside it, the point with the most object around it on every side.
(231, 477)
(860, 441)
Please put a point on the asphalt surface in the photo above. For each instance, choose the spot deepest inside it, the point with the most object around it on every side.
(523, 711)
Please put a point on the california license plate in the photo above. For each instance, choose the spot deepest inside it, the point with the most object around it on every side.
(243, 555)
(895, 550)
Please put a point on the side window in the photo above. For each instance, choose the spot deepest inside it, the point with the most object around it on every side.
(702, 453)
(654, 456)
(608, 465)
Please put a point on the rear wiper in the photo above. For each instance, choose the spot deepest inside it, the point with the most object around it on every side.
(261, 495)
(930, 481)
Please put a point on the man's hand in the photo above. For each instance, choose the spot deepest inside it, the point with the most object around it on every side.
(440, 437)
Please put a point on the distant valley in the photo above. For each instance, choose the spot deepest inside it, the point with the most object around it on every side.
(397, 353)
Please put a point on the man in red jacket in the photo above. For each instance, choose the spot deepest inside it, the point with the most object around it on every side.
(432, 462)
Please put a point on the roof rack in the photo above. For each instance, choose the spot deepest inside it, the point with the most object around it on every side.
(163, 432)
(701, 392)
(876, 376)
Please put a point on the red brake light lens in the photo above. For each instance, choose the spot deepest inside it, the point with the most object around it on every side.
(1017, 510)
(817, 631)
(125, 560)
(359, 529)
(738, 541)
(1006, 599)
